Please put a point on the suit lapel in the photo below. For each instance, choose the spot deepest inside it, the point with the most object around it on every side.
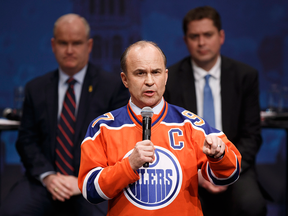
(226, 90)
(84, 103)
(188, 85)
(51, 99)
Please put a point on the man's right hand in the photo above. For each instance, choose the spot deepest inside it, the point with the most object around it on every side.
(143, 152)
(209, 186)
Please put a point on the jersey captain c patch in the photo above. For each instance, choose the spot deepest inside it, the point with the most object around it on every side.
(159, 184)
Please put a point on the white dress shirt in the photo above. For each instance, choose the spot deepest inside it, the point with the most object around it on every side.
(63, 86)
(156, 110)
(214, 82)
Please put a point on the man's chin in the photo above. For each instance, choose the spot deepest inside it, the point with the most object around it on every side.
(204, 58)
(69, 65)
(70, 69)
(151, 103)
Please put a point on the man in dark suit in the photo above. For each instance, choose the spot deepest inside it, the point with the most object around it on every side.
(235, 93)
(46, 189)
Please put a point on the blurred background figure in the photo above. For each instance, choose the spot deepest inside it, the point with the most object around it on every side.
(57, 110)
(230, 90)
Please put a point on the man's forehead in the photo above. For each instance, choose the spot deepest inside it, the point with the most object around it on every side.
(148, 52)
(201, 25)
(142, 48)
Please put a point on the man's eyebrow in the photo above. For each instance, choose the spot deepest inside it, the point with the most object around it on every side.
(139, 70)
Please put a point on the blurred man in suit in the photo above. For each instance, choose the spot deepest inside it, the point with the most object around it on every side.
(57, 110)
(235, 98)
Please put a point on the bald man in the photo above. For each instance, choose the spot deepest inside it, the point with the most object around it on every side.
(113, 152)
(47, 188)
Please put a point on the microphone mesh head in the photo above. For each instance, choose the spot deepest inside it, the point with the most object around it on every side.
(147, 112)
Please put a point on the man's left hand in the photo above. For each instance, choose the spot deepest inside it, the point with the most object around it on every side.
(62, 187)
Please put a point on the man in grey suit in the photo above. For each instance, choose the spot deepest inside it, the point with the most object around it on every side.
(46, 188)
(234, 87)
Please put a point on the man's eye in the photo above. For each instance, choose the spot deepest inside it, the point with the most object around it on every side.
(77, 43)
(62, 43)
(208, 35)
(193, 37)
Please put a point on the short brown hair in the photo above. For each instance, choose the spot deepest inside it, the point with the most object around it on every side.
(201, 13)
(141, 43)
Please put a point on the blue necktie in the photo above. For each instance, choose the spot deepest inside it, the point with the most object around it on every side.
(65, 133)
(208, 105)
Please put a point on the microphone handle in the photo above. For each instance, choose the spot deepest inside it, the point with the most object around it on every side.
(146, 135)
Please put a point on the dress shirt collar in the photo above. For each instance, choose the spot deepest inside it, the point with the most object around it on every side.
(200, 73)
(79, 77)
(156, 110)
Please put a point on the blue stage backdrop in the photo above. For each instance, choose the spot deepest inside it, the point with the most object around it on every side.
(256, 33)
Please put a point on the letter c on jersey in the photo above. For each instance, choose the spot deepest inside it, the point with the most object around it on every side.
(173, 135)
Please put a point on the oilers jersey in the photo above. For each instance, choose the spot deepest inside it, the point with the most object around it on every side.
(169, 186)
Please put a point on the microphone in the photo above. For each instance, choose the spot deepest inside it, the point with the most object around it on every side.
(146, 114)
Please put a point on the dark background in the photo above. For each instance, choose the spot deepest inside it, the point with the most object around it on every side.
(256, 33)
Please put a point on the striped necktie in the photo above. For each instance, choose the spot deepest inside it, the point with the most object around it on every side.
(208, 104)
(65, 132)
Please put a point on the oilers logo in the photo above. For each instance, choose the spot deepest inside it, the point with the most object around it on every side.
(159, 184)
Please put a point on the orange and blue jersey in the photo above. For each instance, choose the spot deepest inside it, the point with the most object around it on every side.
(169, 186)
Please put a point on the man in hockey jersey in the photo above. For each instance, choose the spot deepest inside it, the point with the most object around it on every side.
(113, 153)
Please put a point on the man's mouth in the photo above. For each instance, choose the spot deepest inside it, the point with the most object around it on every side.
(203, 52)
(149, 93)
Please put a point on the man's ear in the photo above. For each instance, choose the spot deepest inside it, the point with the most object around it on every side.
(124, 79)
(185, 39)
(53, 44)
(166, 76)
(90, 44)
(222, 36)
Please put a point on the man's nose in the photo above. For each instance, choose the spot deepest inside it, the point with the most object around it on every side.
(201, 40)
(149, 79)
(69, 48)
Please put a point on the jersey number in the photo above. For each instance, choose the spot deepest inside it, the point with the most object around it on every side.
(107, 117)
